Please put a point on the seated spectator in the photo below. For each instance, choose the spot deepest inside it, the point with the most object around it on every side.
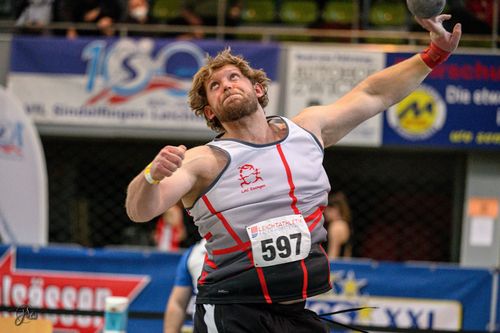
(101, 12)
(138, 12)
(204, 13)
(33, 15)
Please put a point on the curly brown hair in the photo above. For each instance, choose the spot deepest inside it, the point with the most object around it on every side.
(197, 97)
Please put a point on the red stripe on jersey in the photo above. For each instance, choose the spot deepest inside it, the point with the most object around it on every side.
(211, 264)
(222, 219)
(312, 225)
(239, 247)
(263, 285)
(203, 276)
(314, 215)
(262, 279)
(208, 236)
(306, 279)
(290, 180)
(328, 262)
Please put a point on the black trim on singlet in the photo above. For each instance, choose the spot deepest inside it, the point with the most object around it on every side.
(217, 138)
(315, 138)
(209, 187)
(256, 145)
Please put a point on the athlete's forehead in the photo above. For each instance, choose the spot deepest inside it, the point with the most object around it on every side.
(221, 72)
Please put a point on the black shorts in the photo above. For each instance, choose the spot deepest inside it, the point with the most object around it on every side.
(256, 317)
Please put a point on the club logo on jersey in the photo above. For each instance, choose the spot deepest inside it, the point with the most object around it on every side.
(249, 177)
(419, 116)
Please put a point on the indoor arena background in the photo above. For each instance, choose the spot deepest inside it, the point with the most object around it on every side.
(415, 253)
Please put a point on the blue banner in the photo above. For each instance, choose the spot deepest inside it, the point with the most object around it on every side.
(457, 106)
(124, 83)
(403, 296)
(63, 56)
(424, 297)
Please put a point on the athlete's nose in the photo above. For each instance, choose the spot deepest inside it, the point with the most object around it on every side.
(227, 85)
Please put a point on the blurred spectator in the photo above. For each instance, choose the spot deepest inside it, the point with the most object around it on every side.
(170, 230)
(482, 9)
(33, 15)
(138, 12)
(204, 13)
(101, 12)
(338, 225)
(183, 295)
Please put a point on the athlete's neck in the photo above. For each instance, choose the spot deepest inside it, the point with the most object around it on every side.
(255, 130)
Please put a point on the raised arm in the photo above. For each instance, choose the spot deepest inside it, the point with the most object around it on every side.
(380, 90)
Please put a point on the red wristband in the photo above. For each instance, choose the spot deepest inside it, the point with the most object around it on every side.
(434, 55)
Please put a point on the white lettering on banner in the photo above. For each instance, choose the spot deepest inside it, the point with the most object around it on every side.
(98, 112)
(423, 314)
(67, 290)
(485, 96)
(481, 97)
(457, 95)
(54, 297)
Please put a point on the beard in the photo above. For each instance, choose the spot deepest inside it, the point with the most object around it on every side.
(239, 108)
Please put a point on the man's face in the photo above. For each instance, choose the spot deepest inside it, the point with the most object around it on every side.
(231, 96)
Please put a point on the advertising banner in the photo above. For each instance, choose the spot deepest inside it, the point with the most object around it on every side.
(408, 296)
(425, 297)
(23, 177)
(120, 83)
(457, 106)
(319, 75)
(72, 278)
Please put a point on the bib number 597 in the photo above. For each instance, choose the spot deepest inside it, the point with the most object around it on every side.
(284, 247)
(279, 240)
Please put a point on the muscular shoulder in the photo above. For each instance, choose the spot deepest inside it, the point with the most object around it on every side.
(202, 159)
(310, 119)
(205, 164)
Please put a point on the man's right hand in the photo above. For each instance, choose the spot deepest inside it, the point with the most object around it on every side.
(168, 160)
(443, 39)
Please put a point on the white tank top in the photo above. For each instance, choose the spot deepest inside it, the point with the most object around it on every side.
(259, 182)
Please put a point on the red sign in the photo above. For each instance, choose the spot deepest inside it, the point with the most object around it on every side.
(68, 290)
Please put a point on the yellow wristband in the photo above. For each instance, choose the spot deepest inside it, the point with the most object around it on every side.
(147, 175)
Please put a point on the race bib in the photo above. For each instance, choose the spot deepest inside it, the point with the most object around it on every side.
(279, 240)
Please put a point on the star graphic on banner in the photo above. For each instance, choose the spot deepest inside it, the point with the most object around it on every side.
(350, 286)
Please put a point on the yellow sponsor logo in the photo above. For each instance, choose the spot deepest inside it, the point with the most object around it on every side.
(419, 116)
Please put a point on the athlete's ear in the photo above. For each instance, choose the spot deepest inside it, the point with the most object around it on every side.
(209, 113)
(259, 90)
